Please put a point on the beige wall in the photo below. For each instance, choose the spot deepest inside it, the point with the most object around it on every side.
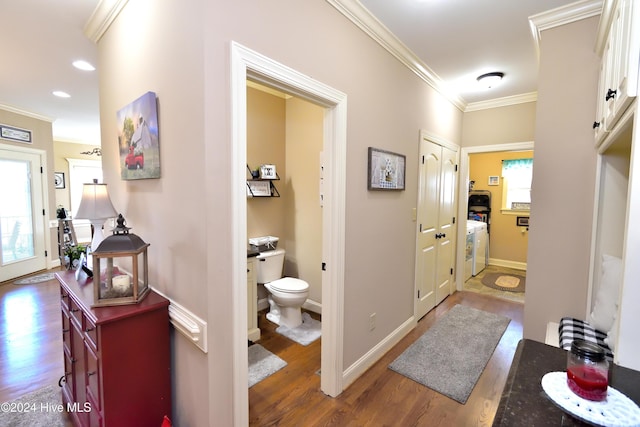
(563, 177)
(303, 230)
(508, 243)
(42, 139)
(266, 144)
(502, 125)
(61, 152)
(181, 51)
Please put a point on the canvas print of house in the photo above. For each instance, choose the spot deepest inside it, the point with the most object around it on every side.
(138, 141)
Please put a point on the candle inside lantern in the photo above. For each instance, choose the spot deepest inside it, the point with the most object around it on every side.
(121, 283)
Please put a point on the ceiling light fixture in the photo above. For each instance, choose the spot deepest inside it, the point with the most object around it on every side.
(489, 80)
(61, 94)
(83, 65)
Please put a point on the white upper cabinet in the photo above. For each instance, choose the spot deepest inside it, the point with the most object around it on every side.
(620, 50)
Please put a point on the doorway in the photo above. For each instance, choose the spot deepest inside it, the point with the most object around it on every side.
(22, 214)
(249, 65)
(463, 195)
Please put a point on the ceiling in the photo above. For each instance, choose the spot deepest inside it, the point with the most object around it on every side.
(456, 40)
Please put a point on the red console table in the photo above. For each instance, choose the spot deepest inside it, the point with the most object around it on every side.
(116, 359)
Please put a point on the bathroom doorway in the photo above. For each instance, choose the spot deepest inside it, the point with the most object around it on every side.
(249, 65)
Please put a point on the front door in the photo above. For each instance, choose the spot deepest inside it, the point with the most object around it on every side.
(22, 220)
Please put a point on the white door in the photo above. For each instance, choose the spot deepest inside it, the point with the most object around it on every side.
(446, 214)
(22, 220)
(427, 222)
(435, 222)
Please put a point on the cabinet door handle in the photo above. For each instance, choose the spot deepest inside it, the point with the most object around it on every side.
(89, 329)
(75, 310)
(64, 331)
(596, 125)
(610, 94)
(91, 373)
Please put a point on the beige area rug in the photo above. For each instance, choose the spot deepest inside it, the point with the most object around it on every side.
(504, 282)
(35, 279)
(40, 408)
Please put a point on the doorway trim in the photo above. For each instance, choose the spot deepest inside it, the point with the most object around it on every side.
(463, 195)
(248, 64)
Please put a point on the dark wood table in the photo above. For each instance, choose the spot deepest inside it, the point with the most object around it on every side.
(524, 402)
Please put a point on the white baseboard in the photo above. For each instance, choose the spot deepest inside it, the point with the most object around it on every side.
(354, 371)
(509, 264)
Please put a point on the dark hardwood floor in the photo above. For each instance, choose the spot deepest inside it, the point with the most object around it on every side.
(381, 397)
(30, 338)
(31, 358)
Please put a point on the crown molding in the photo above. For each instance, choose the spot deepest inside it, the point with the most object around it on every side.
(360, 16)
(102, 17)
(502, 102)
(16, 110)
(561, 16)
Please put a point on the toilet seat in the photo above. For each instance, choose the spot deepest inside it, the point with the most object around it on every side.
(289, 285)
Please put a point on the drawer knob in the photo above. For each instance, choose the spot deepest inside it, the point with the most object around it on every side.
(75, 310)
(610, 94)
(596, 125)
(91, 373)
(89, 329)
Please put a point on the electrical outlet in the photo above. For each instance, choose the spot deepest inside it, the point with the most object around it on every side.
(372, 321)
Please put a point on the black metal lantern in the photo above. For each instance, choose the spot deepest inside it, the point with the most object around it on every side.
(120, 269)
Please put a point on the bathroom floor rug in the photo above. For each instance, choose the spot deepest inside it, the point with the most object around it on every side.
(262, 363)
(305, 334)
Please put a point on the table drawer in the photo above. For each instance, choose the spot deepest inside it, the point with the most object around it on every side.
(93, 377)
(90, 333)
(75, 311)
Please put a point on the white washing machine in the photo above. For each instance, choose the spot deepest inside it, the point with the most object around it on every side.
(480, 254)
(468, 254)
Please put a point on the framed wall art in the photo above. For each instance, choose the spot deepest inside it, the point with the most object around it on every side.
(494, 180)
(58, 180)
(386, 170)
(138, 139)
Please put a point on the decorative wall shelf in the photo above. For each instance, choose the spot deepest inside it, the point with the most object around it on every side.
(261, 187)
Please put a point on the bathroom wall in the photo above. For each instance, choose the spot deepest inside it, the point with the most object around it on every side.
(507, 242)
(288, 132)
(266, 139)
(303, 229)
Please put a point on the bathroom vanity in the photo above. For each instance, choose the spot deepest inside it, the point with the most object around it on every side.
(253, 332)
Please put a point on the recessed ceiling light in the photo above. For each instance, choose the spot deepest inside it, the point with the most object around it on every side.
(489, 80)
(83, 65)
(61, 94)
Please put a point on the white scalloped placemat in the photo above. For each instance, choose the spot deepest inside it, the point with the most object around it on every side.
(617, 411)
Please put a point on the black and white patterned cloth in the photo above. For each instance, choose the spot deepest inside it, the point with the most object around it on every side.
(570, 329)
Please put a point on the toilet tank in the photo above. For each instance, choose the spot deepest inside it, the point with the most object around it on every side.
(269, 265)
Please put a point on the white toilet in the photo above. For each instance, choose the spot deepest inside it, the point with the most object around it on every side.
(287, 294)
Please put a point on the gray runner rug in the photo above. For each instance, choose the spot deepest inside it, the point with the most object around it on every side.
(262, 363)
(452, 354)
(40, 408)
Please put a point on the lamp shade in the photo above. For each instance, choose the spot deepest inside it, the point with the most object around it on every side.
(95, 202)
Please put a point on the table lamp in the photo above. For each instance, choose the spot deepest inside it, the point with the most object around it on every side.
(96, 206)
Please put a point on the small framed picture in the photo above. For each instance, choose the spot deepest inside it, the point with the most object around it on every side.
(386, 170)
(258, 188)
(58, 179)
(494, 180)
(268, 172)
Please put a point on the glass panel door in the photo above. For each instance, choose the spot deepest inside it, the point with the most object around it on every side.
(21, 229)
